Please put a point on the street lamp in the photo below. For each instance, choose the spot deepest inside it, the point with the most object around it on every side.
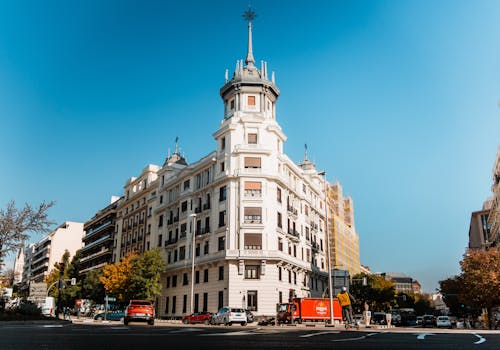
(323, 173)
(193, 230)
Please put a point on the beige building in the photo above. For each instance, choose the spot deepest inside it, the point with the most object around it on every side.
(40, 257)
(343, 236)
(494, 216)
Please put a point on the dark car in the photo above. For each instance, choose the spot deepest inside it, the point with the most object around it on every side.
(197, 317)
(428, 321)
(111, 316)
(140, 311)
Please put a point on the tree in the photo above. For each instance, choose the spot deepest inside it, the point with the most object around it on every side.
(378, 293)
(55, 273)
(15, 225)
(116, 277)
(452, 291)
(480, 279)
(146, 271)
(135, 276)
(92, 287)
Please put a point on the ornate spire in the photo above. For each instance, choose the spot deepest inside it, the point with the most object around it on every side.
(249, 15)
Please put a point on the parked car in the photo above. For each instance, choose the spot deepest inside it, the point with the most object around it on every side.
(250, 317)
(111, 316)
(229, 315)
(197, 317)
(428, 321)
(141, 311)
(378, 318)
(419, 320)
(443, 321)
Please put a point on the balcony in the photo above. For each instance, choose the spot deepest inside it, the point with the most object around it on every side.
(99, 241)
(203, 231)
(253, 193)
(197, 210)
(98, 228)
(292, 210)
(176, 219)
(170, 242)
(294, 235)
(252, 221)
(206, 206)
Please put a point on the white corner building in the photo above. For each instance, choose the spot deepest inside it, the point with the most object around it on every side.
(259, 218)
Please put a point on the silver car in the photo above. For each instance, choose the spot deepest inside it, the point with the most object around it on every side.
(229, 315)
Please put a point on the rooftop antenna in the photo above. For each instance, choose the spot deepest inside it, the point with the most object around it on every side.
(305, 151)
(176, 145)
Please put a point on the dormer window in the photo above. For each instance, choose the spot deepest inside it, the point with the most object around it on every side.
(223, 143)
(231, 104)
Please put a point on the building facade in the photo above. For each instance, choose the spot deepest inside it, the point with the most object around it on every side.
(479, 228)
(494, 215)
(40, 257)
(343, 236)
(244, 224)
(98, 241)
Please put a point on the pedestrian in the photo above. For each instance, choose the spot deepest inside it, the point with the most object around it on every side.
(345, 301)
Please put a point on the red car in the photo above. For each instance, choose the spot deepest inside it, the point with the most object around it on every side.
(141, 311)
(197, 317)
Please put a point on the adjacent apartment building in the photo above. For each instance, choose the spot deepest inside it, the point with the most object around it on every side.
(40, 257)
(494, 216)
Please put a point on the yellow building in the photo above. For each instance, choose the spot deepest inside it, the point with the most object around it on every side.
(344, 240)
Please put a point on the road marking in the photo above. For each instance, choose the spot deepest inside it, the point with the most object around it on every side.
(423, 335)
(481, 339)
(187, 330)
(318, 333)
(228, 333)
(52, 326)
(350, 339)
(120, 328)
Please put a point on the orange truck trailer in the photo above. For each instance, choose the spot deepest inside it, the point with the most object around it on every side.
(299, 310)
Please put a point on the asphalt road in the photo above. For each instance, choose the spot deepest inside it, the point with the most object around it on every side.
(142, 337)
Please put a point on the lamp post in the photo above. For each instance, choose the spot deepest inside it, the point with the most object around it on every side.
(193, 230)
(330, 292)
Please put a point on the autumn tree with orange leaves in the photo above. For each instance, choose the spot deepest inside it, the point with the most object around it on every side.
(116, 277)
(135, 276)
(480, 279)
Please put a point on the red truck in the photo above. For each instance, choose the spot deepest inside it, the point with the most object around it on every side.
(299, 310)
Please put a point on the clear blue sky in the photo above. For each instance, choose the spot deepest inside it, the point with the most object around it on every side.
(398, 100)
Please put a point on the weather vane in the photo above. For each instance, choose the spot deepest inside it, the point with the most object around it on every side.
(249, 14)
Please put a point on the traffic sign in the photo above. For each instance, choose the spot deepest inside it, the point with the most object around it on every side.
(111, 298)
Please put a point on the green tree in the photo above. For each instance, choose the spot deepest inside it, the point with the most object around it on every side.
(16, 224)
(55, 273)
(422, 304)
(452, 291)
(92, 287)
(146, 271)
(378, 293)
(116, 277)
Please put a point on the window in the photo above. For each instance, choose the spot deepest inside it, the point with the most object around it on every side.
(184, 206)
(231, 104)
(252, 300)
(185, 279)
(252, 138)
(252, 272)
(280, 273)
(182, 253)
(289, 276)
(253, 215)
(159, 240)
(222, 243)
(160, 221)
(221, 300)
(197, 277)
(174, 302)
(205, 302)
(187, 184)
(205, 248)
(251, 101)
(168, 282)
(221, 273)
(253, 241)
(196, 302)
(222, 193)
(280, 221)
(253, 188)
(295, 278)
(205, 275)
(174, 281)
(252, 162)
(278, 194)
(223, 139)
(222, 167)
(280, 244)
(166, 304)
(161, 199)
(222, 218)
(197, 249)
(184, 303)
